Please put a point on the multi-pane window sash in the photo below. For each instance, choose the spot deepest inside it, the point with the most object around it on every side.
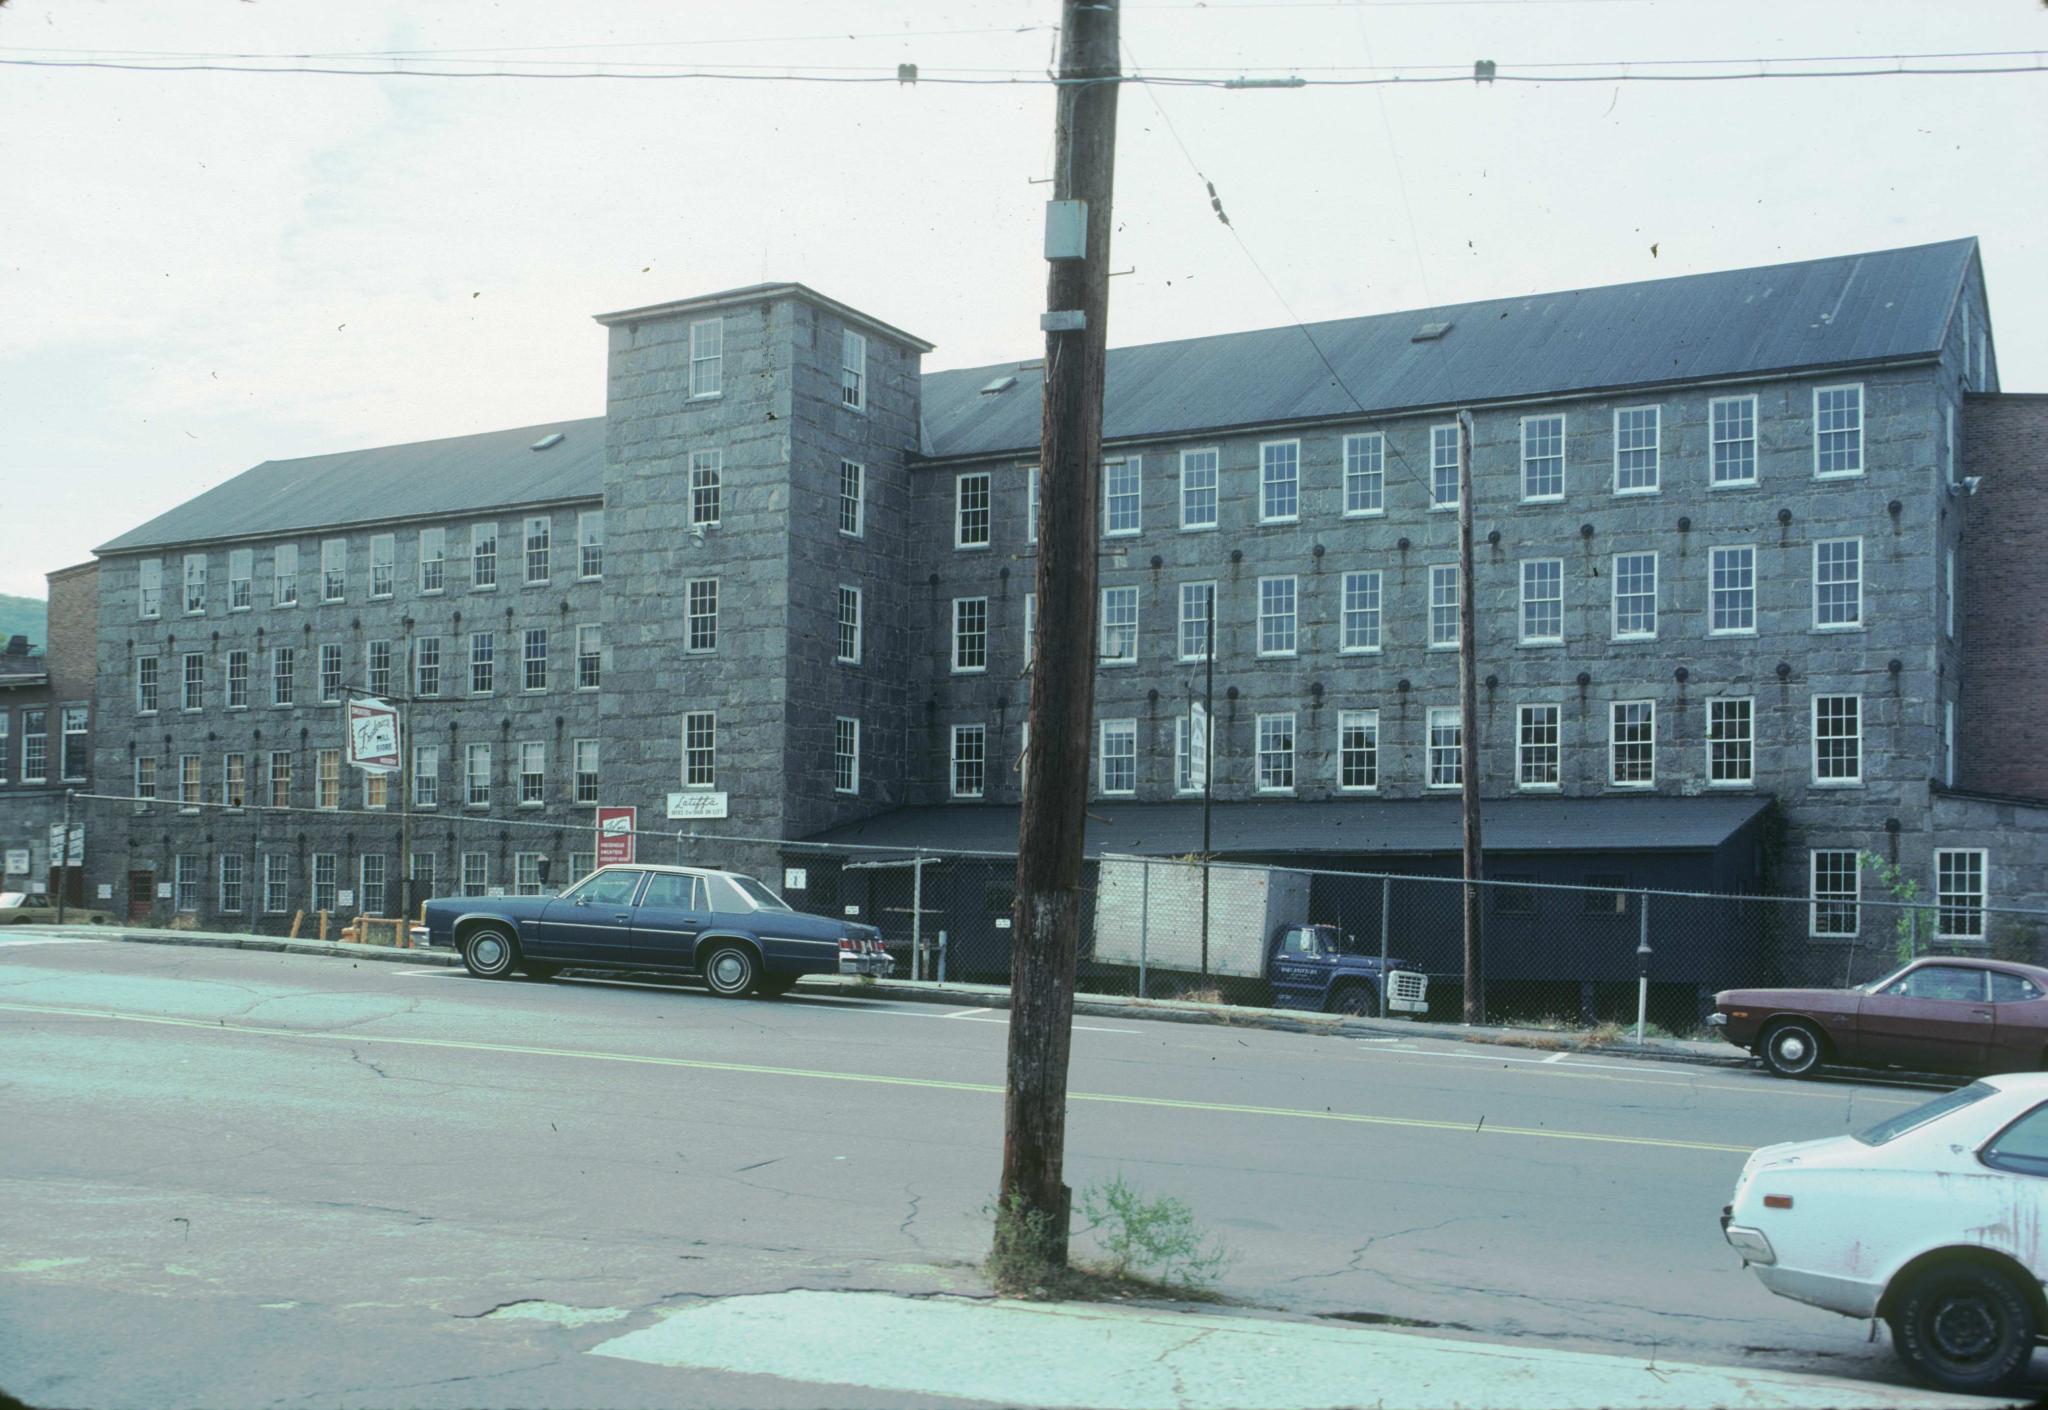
(853, 370)
(1119, 756)
(1632, 743)
(1838, 584)
(585, 758)
(1359, 624)
(970, 634)
(971, 510)
(707, 487)
(326, 880)
(1731, 591)
(194, 692)
(284, 563)
(1731, 433)
(379, 668)
(330, 672)
(280, 778)
(1542, 457)
(1837, 739)
(333, 570)
(241, 576)
(1731, 742)
(1542, 601)
(700, 749)
(476, 775)
(1837, 883)
(852, 496)
(1277, 633)
(970, 760)
(1031, 490)
(376, 790)
(195, 583)
(483, 663)
(1358, 750)
(185, 883)
(845, 755)
(526, 873)
(534, 660)
(146, 668)
(284, 662)
(1446, 748)
(1538, 747)
(71, 761)
(540, 533)
(1279, 482)
(383, 565)
(426, 776)
(1030, 627)
(1443, 467)
(433, 560)
(191, 788)
(848, 652)
(1635, 595)
(1443, 605)
(277, 883)
(426, 666)
(370, 883)
(1838, 431)
(1197, 606)
(234, 779)
(1122, 496)
(35, 746)
(327, 779)
(707, 357)
(1959, 893)
(1276, 753)
(533, 774)
(476, 873)
(589, 658)
(1198, 489)
(1365, 474)
(149, 588)
(590, 544)
(483, 556)
(1637, 433)
(701, 599)
(145, 775)
(1119, 625)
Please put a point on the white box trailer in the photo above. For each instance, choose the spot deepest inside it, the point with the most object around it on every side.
(1149, 911)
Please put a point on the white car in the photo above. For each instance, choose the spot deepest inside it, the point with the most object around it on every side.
(1932, 1220)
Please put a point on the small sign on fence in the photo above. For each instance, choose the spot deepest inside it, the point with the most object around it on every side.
(17, 861)
(795, 879)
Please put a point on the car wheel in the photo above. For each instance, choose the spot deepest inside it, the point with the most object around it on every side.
(489, 953)
(1792, 1049)
(1357, 1000)
(534, 969)
(1965, 1328)
(731, 971)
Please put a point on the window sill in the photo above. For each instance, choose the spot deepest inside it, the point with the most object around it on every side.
(1266, 519)
(1732, 485)
(1543, 499)
(1278, 655)
(1731, 634)
(1539, 788)
(970, 548)
(1633, 636)
(1837, 630)
(1451, 508)
(1365, 514)
(1835, 783)
(483, 587)
(1838, 474)
(1359, 651)
(1358, 790)
(1198, 528)
(1539, 643)
(1644, 787)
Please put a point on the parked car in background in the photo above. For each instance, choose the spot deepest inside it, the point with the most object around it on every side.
(18, 908)
(728, 929)
(1931, 1220)
(1965, 1016)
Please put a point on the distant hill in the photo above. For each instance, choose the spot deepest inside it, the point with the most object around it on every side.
(28, 616)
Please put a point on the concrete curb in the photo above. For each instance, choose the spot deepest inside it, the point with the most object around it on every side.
(332, 949)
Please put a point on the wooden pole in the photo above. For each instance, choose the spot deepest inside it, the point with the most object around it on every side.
(1468, 734)
(1033, 1206)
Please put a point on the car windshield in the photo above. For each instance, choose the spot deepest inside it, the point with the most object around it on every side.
(760, 896)
(1891, 1128)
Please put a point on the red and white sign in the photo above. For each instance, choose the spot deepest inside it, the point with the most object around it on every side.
(615, 835)
(373, 735)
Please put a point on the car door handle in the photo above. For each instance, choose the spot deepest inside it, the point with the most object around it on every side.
(622, 915)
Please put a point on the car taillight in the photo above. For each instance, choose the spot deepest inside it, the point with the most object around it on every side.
(1777, 1201)
(847, 943)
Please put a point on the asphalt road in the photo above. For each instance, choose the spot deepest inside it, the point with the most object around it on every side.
(238, 1178)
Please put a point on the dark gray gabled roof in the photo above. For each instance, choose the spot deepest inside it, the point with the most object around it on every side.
(1352, 827)
(1837, 312)
(463, 475)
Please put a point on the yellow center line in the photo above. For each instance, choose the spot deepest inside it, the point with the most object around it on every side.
(1675, 1081)
(1482, 1128)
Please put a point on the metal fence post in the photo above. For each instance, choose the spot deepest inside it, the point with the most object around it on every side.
(942, 957)
(1642, 964)
(1913, 934)
(1144, 920)
(917, 916)
(1386, 912)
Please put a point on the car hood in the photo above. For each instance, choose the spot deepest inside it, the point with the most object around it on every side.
(1809, 1000)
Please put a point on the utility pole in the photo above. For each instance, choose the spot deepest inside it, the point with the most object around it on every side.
(1208, 764)
(1033, 1206)
(63, 858)
(1468, 733)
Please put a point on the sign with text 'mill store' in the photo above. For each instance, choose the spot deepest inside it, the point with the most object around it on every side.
(373, 735)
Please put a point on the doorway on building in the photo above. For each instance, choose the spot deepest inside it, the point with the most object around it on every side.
(141, 894)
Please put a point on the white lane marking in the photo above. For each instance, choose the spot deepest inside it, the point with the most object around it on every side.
(52, 940)
(1555, 1057)
(968, 1013)
(444, 969)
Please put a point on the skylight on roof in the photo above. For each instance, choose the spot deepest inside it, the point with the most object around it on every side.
(547, 442)
(1429, 332)
(1000, 384)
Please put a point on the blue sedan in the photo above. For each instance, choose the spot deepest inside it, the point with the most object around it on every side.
(727, 928)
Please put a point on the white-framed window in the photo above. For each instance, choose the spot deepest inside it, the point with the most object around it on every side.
(1837, 584)
(1198, 488)
(1731, 442)
(707, 357)
(238, 679)
(376, 790)
(1276, 752)
(845, 755)
(1539, 747)
(1359, 611)
(1731, 742)
(589, 656)
(241, 579)
(1632, 743)
(1185, 767)
(483, 662)
(1635, 596)
(1948, 743)
(1948, 594)
(1838, 431)
(1031, 491)
(1277, 627)
(1443, 606)
(476, 776)
(1837, 739)
(540, 537)
(476, 873)
(1119, 757)
(327, 779)
(280, 778)
(383, 565)
(192, 694)
(853, 478)
(526, 873)
(1443, 466)
(370, 873)
(853, 370)
(185, 872)
(35, 746)
(377, 667)
(1358, 750)
(277, 883)
(426, 776)
(1542, 601)
(483, 556)
(971, 510)
(1835, 884)
(1638, 432)
(149, 588)
(1197, 609)
(6, 722)
(146, 693)
(970, 634)
(707, 488)
(1445, 747)
(73, 720)
(283, 675)
(533, 773)
(433, 560)
(333, 569)
(191, 784)
(1365, 474)
(326, 880)
(145, 767)
(195, 584)
(1123, 496)
(590, 544)
(700, 615)
(1542, 458)
(1960, 892)
(1030, 628)
(1731, 590)
(584, 755)
(848, 651)
(533, 660)
(700, 749)
(330, 672)
(284, 567)
(1279, 482)
(970, 760)
(1948, 443)
(1119, 626)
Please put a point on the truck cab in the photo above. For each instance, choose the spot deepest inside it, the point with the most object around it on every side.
(1316, 967)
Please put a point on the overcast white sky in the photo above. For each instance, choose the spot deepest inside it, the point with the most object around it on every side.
(202, 271)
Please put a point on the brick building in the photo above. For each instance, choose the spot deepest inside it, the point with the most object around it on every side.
(783, 590)
(46, 722)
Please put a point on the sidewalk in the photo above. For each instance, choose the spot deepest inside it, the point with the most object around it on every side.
(990, 996)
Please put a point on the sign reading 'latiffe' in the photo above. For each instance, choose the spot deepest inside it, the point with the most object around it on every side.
(373, 735)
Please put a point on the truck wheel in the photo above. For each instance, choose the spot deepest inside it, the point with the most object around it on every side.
(1357, 1000)
(489, 953)
(1965, 1327)
(730, 971)
(1792, 1048)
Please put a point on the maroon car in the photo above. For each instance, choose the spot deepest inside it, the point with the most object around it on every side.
(1935, 1015)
